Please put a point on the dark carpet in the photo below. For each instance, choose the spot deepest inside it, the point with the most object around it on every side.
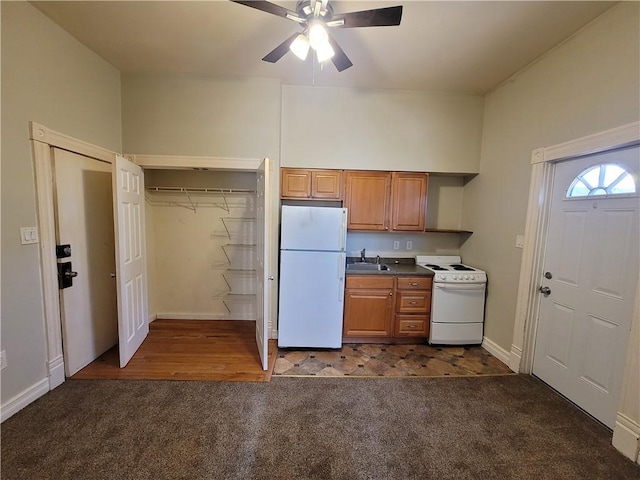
(508, 427)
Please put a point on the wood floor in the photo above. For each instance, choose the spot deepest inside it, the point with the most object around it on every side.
(222, 350)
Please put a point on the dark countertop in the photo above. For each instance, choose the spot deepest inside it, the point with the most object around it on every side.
(404, 266)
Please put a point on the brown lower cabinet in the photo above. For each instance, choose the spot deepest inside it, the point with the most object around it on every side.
(386, 309)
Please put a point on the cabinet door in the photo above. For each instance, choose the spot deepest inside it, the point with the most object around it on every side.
(326, 184)
(409, 201)
(368, 313)
(295, 183)
(367, 196)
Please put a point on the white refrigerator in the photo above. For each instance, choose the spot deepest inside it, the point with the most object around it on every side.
(312, 265)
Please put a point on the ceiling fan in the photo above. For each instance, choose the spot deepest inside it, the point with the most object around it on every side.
(316, 17)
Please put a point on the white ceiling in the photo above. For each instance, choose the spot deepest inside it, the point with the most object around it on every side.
(447, 46)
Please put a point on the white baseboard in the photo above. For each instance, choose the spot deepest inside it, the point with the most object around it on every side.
(199, 316)
(496, 350)
(152, 317)
(17, 403)
(56, 372)
(626, 437)
(515, 357)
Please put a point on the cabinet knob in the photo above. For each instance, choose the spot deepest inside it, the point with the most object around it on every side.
(390, 294)
(411, 326)
(413, 303)
(413, 284)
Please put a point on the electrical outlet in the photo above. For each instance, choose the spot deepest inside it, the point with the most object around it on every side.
(3, 359)
(396, 244)
(519, 241)
(409, 245)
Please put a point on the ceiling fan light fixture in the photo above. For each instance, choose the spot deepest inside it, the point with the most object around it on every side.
(300, 47)
(318, 36)
(324, 52)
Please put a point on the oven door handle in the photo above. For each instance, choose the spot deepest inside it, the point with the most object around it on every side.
(471, 286)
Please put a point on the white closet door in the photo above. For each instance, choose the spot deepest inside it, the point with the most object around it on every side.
(263, 216)
(128, 198)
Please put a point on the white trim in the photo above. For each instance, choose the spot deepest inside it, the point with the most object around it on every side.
(40, 133)
(42, 140)
(24, 398)
(496, 350)
(56, 372)
(542, 161)
(515, 357)
(598, 142)
(174, 162)
(626, 437)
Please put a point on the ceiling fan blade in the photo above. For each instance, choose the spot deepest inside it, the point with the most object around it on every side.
(268, 7)
(277, 53)
(379, 17)
(339, 59)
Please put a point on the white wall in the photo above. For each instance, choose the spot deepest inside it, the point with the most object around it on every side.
(48, 77)
(380, 129)
(179, 115)
(586, 85)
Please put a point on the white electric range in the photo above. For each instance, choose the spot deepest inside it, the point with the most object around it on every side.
(457, 300)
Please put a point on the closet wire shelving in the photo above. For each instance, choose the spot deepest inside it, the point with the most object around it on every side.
(238, 231)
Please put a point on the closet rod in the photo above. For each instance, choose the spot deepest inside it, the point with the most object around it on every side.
(199, 190)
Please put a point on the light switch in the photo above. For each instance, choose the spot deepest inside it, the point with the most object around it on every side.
(519, 241)
(28, 235)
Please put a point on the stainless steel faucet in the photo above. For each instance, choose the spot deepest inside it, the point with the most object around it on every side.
(362, 252)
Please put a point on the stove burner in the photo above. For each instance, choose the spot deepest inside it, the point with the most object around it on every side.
(457, 266)
(435, 267)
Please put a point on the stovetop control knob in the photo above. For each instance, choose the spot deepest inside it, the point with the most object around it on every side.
(455, 277)
(466, 277)
(441, 277)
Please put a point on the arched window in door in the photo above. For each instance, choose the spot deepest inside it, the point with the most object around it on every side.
(603, 179)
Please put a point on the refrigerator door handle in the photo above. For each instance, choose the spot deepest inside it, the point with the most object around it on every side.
(343, 231)
(341, 267)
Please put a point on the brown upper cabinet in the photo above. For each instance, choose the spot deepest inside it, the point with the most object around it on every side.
(386, 201)
(367, 198)
(408, 201)
(310, 184)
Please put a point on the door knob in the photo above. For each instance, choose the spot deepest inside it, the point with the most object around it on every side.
(548, 275)
(546, 291)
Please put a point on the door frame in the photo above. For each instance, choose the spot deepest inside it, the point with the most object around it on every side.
(42, 140)
(543, 162)
(626, 436)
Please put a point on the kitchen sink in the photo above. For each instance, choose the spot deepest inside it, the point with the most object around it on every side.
(367, 266)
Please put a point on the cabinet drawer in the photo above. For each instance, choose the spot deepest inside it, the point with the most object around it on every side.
(412, 325)
(414, 283)
(413, 302)
(369, 281)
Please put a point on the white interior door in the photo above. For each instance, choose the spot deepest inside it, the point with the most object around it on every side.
(591, 270)
(263, 216)
(84, 210)
(128, 197)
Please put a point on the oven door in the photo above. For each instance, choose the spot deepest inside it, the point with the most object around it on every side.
(457, 313)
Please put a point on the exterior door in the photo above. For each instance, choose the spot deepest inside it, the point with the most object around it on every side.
(263, 216)
(591, 270)
(128, 201)
(84, 211)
